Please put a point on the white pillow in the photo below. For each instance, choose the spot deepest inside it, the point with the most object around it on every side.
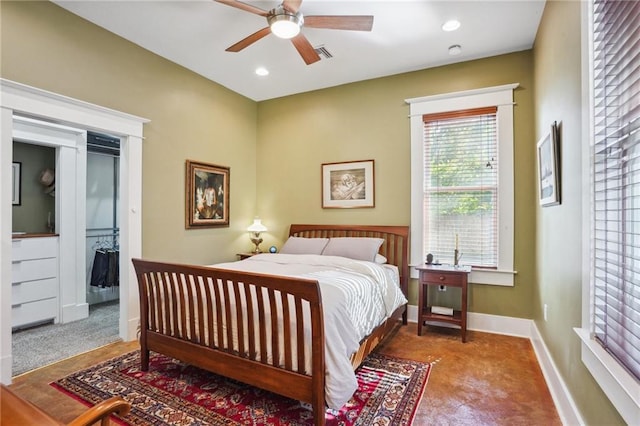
(358, 248)
(299, 245)
(380, 259)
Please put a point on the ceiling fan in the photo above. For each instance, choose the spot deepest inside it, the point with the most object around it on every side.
(286, 21)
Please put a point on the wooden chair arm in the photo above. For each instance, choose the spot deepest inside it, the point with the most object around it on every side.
(102, 411)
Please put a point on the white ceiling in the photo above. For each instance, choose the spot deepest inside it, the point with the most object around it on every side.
(406, 36)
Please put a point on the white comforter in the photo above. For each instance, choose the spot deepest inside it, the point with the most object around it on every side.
(357, 296)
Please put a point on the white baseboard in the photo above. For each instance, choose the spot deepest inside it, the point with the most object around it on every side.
(74, 312)
(6, 364)
(519, 327)
(565, 405)
(487, 323)
(510, 326)
(131, 330)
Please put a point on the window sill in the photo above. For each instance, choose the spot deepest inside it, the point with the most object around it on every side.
(498, 277)
(620, 387)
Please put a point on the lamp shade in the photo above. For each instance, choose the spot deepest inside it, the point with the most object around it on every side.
(257, 226)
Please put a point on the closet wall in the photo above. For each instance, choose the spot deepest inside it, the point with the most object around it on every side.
(37, 207)
(103, 229)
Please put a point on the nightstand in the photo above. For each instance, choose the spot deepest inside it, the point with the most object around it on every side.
(442, 275)
(243, 256)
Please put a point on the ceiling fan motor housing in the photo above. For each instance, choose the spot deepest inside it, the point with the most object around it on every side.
(283, 23)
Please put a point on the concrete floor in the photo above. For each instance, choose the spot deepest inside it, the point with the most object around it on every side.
(490, 380)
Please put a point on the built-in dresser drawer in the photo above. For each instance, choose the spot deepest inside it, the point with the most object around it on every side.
(33, 312)
(36, 269)
(34, 280)
(30, 291)
(34, 248)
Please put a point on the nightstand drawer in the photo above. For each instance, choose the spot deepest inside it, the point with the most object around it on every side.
(443, 278)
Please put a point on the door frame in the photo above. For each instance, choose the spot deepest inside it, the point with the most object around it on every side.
(27, 101)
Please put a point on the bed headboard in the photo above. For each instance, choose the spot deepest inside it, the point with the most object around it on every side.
(395, 247)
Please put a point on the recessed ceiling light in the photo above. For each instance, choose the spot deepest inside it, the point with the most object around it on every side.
(451, 25)
(262, 71)
(454, 50)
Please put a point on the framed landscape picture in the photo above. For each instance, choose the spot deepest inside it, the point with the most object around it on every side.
(207, 195)
(548, 171)
(348, 185)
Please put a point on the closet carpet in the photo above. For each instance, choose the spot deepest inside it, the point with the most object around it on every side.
(43, 345)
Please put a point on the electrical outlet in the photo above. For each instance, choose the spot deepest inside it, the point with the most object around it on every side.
(544, 311)
(442, 288)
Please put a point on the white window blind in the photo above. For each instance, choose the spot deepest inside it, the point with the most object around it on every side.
(616, 184)
(461, 186)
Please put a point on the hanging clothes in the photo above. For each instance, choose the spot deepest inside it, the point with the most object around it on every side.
(112, 269)
(100, 268)
(105, 270)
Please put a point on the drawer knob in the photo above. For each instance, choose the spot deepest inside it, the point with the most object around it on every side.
(441, 277)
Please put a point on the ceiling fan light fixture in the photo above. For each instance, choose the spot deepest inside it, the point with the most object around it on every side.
(284, 24)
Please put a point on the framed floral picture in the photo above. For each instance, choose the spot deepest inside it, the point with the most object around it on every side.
(207, 195)
(548, 168)
(348, 185)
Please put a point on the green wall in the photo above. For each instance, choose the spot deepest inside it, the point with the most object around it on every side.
(273, 174)
(558, 269)
(369, 120)
(33, 212)
(191, 118)
(275, 150)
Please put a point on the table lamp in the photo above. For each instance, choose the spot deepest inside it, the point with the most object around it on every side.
(255, 229)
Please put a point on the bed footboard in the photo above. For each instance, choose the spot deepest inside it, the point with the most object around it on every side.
(246, 326)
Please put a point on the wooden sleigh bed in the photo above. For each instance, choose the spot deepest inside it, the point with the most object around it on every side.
(185, 310)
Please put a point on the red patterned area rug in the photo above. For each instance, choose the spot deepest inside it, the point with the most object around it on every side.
(174, 393)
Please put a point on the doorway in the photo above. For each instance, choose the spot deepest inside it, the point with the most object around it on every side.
(18, 100)
(34, 325)
(102, 219)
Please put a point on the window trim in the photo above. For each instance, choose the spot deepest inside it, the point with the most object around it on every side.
(502, 97)
(617, 383)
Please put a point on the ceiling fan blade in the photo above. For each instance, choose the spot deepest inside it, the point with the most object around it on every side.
(291, 5)
(244, 6)
(247, 41)
(305, 49)
(349, 22)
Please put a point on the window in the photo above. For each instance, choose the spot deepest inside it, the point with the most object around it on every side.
(611, 344)
(616, 186)
(462, 180)
(461, 185)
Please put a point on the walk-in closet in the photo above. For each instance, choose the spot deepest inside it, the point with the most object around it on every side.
(38, 307)
(103, 232)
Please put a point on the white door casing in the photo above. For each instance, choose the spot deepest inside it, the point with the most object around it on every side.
(18, 100)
